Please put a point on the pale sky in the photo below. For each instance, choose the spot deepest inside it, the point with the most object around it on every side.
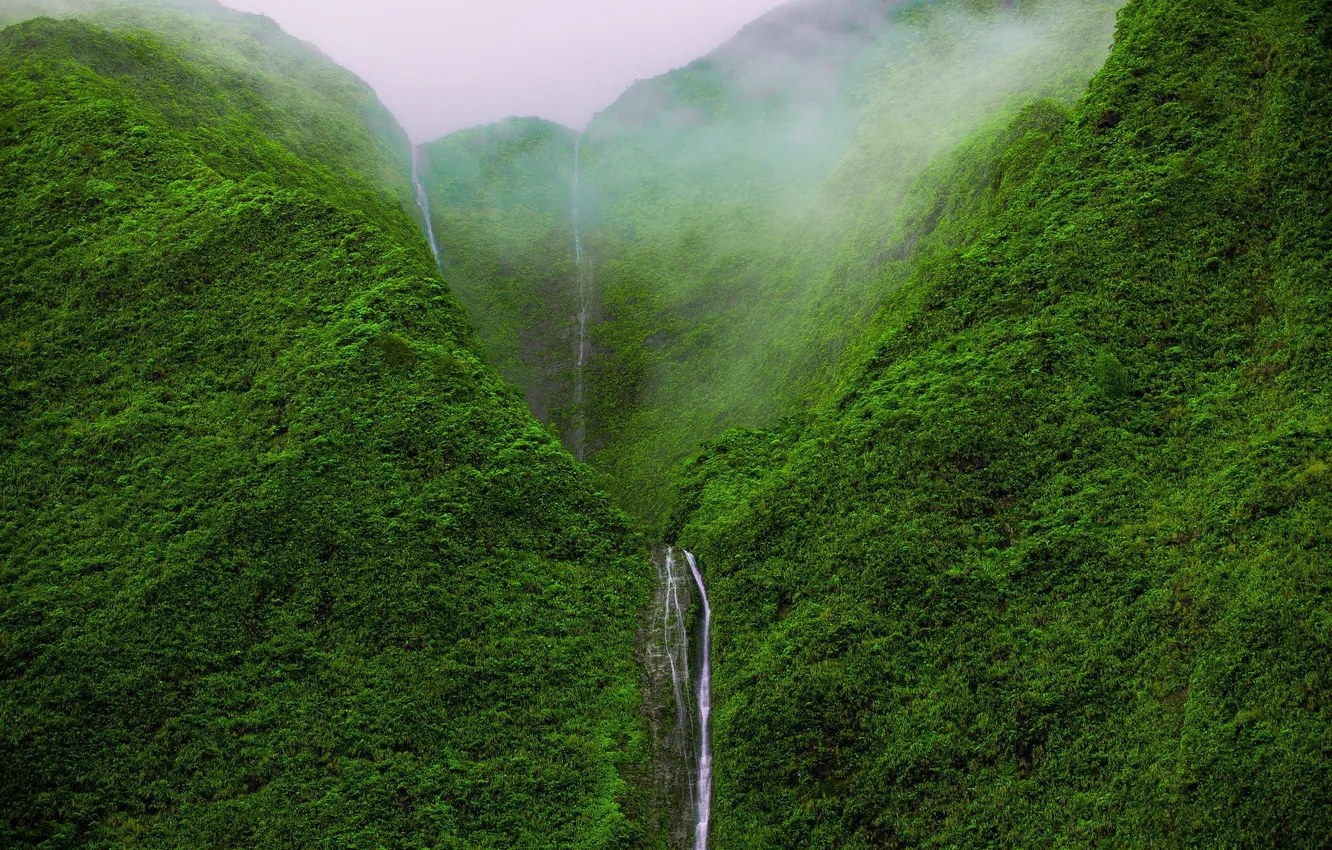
(449, 64)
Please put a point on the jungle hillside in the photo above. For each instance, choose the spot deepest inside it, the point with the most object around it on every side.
(904, 426)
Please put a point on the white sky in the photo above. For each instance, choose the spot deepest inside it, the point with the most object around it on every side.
(449, 64)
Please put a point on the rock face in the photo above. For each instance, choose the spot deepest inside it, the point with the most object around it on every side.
(283, 562)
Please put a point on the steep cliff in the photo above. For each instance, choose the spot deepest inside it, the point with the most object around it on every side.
(283, 562)
(1050, 565)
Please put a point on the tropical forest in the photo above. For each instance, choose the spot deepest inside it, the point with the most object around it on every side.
(906, 425)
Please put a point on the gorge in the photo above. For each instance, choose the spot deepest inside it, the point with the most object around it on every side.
(904, 426)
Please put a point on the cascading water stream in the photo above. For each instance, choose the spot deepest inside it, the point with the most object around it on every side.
(682, 730)
(674, 633)
(582, 283)
(675, 637)
(681, 678)
(423, 203)
(703, 795)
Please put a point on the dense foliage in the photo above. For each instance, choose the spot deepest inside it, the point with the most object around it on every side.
(501, 201)
(282, 561)
(733, 211)
(252, 99)
(1027, 544)
(1050, 566)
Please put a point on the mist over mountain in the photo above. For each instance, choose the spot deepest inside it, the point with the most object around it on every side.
(905, 425)
(442, 67)
(733, 213)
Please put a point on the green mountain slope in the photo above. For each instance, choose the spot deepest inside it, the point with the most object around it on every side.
(282, 562)
(737, 266)
(250, 97)
(733, 211)
(501, 201)
(1027, 543)
(1050, 567)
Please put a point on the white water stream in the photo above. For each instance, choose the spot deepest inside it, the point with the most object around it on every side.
(423, 203)
(582, 280)
(687, 737)
(675, 640)
(674, 633)
(703, 799)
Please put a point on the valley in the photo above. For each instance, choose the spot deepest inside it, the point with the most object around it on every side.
(904, 426)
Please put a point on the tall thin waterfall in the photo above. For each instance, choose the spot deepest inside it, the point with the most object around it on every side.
(675, 642)
(680, 698)
(582, 281)
(423, 203)
(703, 797)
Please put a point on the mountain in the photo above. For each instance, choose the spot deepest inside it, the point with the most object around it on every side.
(500, 200)
(251, 97)
(1050, 565)
(731, 214)
(284, 562)
(984, 411)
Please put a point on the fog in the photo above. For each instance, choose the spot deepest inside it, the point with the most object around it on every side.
(443, 66)
(747, 213)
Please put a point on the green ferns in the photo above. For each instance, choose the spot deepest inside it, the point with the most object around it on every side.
(284, 563)
(1050, 567)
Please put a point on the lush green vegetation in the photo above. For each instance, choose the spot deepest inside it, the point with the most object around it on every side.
(282, 561)
(734, 211)
(1050, 564)
(252, 99)
(501, 203)
(1026, 544)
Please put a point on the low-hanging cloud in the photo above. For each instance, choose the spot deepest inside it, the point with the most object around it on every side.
(443, 66)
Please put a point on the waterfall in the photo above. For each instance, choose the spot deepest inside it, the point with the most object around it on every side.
(680, 700)
(582, 281)
(703, 796)
(675, 640)
(423, 203)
